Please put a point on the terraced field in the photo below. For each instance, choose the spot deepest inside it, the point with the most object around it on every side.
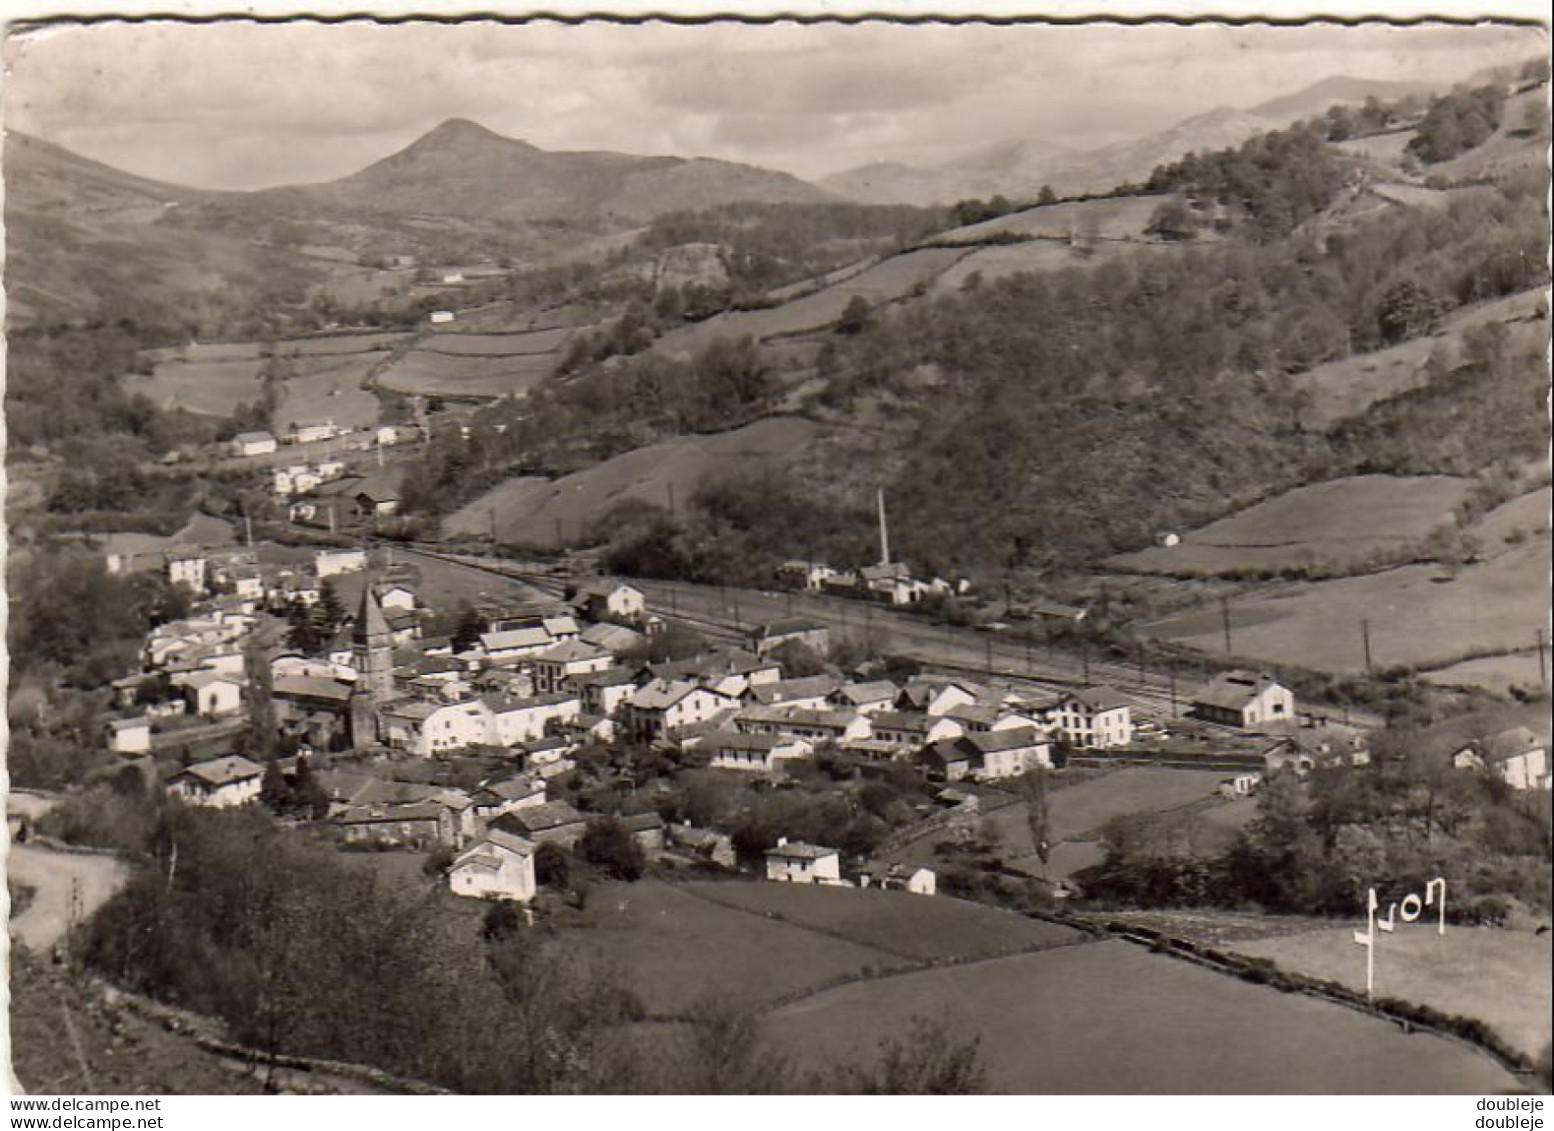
(915, 927)
(528, 343)
(425, 373)
(1504, 978)
(332, 391)
(1340, 523)
(1109, 1017)
(1419, 615)
(1345, 388)
(888, 281)
(1122, 218)
(541, 512)
(203, 385)
(338, 344)
(997, 261)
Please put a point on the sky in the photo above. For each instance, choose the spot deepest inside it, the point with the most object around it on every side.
(248, 105)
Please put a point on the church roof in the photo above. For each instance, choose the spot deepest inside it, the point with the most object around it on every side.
(371, 625)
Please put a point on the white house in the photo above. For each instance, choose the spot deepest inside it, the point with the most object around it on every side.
(220, 783)
(129, 736)
(500, 865)
(491, 801)
(1517, 755)
(514, 721)
(663, 706)
(798, 863)
(606, 600)
(427, 729)
(912, 730)
(1094, 717)
(1008, 753)
(808, 575)
(440, 317)
(759, 753)
(330, 563)
(314, 433)
(557, 667)
(186, 567)
(866, 698)
(513, 644)
(253, 444)
(213, 694)
(1246, 700)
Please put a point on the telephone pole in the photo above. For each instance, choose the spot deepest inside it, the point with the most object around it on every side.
(1224, 616)
(1543, 671)
(1365, 635)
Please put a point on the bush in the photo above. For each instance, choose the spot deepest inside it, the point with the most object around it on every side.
(610, 848)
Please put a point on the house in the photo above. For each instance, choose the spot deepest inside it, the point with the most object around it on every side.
(557, 667)
(813, 691)
(866, 698)
(253, 444)
(440, 317)
(981, 718)
(515, 721)
(427, 729)
(1303, 748)
(767, 638)
(948, 760)
(1054, 612)
(613, 638)
(419, 825)
(185, 567)
(1007, 753)
(554, 822)
(1516, 754)
(329, 563)
(314, 433)
(912, 730)
(129, 736)
(213, 694)
(662, 706)
(221, 783)
(396, 598)
(647, 829)
(511, 645)
(611, 600)
(759, 753)
(1247, 700)
(898, 877)
(604, 691)
(375, 501)
(494, 799)
(798, 863)
(1093, 718)
(806, 575)
(500, 865)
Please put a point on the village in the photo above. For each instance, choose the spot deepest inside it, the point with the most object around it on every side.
(318, 683)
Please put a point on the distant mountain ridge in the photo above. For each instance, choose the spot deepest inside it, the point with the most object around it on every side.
(1097, 170)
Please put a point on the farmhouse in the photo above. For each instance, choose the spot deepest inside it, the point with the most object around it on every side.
(1007, 753)
(559, 666)
(912, 730)
(604, 691)
(610, 600)
(1094, 718)
(440, 317)
(949, 760)
(213, 694)
(1516, 754)
(500, 865)
(220, 783)
(554, 822)
(1302, 748)
(613, 638)
(898, 877)
(524, 720)
(812, 691)
(186, 567)
(647, 829)
(253, 444)
(418, 825)
(741, 750)
(866, 698)
(798, 863)
(1243, 699)
(314, 433)
(426, 729)
(129, 736)
(768, 638)
(663, 706)
(806, 575)
(512, 645)
(375, 501)
(491, 801)
(704, 844)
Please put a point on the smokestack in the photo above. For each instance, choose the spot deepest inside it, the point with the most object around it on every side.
(884, 532)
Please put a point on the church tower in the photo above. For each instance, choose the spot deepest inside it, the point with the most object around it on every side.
(372, 655)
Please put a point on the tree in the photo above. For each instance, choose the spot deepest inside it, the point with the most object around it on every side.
(552, 866)
(609, 847)
(309, 799)
(926, 1061)
(1407, 309)
(1033, 788)
(855, 316)
(330, 613)
(303, 634)
(274, 792)
(467, 633)
(1173, 220)
(1046, 195)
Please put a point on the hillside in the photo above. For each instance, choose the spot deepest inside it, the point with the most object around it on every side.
(466, 170)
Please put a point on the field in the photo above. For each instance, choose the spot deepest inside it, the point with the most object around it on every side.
(1109, 1017)
(1504, 978)
(1504, 152)
(335, 345)
(1349, 386)
(999, 260)
(332, 392)
(1343, 522)
(427, 373)
(1419, 615)
(891, 279)
(674, 947)
(912, 927)
(541, 512)
(530, 343)
(206, 387)
(444, 585)
(207, 351)
(1494, 673)
(1122, 218)
(1523, 515)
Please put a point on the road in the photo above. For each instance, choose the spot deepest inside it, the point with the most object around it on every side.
(60, 880)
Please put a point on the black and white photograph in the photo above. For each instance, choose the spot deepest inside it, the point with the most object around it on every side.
(804, 557)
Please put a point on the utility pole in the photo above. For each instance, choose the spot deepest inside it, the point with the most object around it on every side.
(1224, 615)
(989, 644)
(1173, 693)
(561, 542)
(1543, 672)
(493, 526)
(1084, 651)
(670, 485)
(1365, 635)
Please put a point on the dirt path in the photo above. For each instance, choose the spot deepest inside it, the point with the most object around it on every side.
(59, 878)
